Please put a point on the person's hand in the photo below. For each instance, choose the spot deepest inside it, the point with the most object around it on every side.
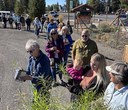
(82, 77)
(53, 48)
(20, 68)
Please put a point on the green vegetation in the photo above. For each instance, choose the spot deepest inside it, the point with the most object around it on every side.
(32, 6)
(104, 27)
(19, 10)
(36, 8)
(87, 101)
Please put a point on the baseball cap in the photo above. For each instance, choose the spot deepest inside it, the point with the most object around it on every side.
(112, 69)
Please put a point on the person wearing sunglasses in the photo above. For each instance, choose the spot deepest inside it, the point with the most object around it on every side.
(116, 94)
(55, 51)
(38, 68)
(84, 48)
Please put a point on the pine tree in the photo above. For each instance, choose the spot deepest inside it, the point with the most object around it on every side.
(36, 8)
(1, 5)
(115, 5)
(19, 9)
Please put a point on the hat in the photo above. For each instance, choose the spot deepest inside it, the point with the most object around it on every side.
(110, 69)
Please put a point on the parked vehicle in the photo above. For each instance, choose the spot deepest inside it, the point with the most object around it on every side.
(54, 13)
(45, 15)
(6, 13)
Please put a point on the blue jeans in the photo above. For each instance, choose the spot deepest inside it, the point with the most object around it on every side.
(55, 69)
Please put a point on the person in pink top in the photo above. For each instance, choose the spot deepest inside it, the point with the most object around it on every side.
(76, 71)
(95, 79)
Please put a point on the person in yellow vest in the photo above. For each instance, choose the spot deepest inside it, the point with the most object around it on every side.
(84, 48)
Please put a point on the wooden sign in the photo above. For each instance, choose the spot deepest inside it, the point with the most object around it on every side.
(125, 54)
(84, 19)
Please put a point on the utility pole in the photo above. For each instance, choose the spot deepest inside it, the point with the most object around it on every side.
(107, 9)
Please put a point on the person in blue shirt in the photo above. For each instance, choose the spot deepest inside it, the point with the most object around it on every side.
(116, 94)
(51, 25)
(38, 68)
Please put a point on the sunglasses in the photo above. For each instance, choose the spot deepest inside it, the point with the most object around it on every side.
(84, 36)
(31, 51)
(53, 33)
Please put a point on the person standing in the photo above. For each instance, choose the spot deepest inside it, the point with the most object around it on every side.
(22, 22)
(51, 25)
(10, 20)
(84, 48)
(28, 22)
(38, 68)
(37, 26)
(4, 20)
(42, 22)
(69, 27)
(46, 24)
(55, 50)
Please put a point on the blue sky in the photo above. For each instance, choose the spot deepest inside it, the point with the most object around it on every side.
(61, 2)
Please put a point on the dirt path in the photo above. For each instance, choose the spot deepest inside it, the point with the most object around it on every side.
(13, 55)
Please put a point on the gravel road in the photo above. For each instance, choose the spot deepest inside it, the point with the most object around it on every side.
(13, 55)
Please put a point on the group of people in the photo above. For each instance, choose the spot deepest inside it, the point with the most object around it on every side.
(18, 20)
(88, 70)
(45, 25)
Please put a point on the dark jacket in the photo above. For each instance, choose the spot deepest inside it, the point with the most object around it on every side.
(60, 46)
(39, 67)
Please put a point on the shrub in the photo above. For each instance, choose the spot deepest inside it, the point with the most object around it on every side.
(88, 101)
(106, 28)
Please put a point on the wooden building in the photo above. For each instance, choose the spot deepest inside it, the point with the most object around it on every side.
(83, 15)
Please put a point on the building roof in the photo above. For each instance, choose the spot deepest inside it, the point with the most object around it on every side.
(82, 8)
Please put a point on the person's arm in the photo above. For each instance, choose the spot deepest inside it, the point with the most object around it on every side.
(48, 28)
(70, 29)
(95, 48)
(28, 66)
(48, 47)
(73, 73)
(45, 65)
(70, 40)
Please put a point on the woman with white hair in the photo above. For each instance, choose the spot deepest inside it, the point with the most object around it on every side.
(116, 94)
(67, 40)
(37, 26)
(38, 66)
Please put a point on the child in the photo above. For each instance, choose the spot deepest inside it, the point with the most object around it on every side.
(76, 71)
